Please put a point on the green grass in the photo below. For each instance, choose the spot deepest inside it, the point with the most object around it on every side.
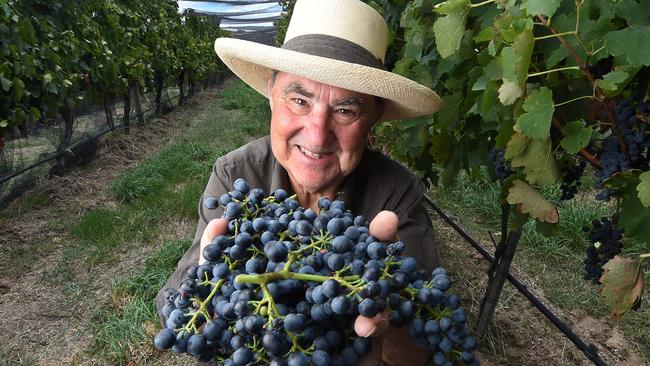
(166, 186)
(119, 327)
(556, 261)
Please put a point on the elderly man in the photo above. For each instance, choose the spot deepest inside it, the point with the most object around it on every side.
(327, 87)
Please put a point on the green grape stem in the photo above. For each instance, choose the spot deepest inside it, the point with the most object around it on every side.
(191, 324)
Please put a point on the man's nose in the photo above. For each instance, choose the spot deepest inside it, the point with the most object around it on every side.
(320, 125)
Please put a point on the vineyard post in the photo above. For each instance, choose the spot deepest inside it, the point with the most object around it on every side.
(181, 86)
(135, 87)
(126, 118)
(66, 137)
(503, 254)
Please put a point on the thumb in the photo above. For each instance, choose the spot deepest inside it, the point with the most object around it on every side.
(214, 228)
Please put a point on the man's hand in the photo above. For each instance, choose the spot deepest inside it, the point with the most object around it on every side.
(214, 228)
(383, 227)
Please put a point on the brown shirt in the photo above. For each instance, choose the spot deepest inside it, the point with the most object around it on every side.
(377, 184)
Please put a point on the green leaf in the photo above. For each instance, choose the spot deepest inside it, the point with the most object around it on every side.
(449, 116)
(644, 189)
(6, 83)
(634, 218)
(449, 29)
(627, 42)
(509, 92)
(507, 60)
(486, 34)
(536, 122)
(576, 136)
(622, 282)
(634, 12)
(516, 145)
(531, 202)
(544, 7)
(537, 162)
(18, 89)
(611, 82)
(4, 123)
(623, 181)
(47, 78)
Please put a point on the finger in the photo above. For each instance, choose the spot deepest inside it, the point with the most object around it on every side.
(384, 226)
(371, 327)
(214, 228)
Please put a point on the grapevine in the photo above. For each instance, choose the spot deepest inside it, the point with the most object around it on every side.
(285, 285)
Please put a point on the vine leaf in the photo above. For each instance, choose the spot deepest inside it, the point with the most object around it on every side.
(613, 82)
(644, 189)
(622, 282)
(634, 218)
(509, 92)
(625, 42)
(516, 145)
(576, 136)
(536, 121)
(528, 200)
(449, 29)
(537, 161)
(537, 7)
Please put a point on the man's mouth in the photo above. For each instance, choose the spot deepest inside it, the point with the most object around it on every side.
(311, 154)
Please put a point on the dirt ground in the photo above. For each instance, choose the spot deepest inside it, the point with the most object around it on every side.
(520, 334)
(43, 321)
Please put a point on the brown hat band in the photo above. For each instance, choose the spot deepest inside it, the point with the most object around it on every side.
(336, 48)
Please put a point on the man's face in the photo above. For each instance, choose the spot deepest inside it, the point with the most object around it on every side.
(318, 131)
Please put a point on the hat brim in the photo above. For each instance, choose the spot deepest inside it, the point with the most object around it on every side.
(254, 63)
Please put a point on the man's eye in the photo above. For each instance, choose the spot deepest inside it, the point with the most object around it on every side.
(298, 101)
(346, 112)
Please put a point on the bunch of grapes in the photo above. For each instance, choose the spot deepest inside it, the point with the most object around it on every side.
(571, 175)
(285, 284)
(501, 166)
(606, 242)
(633, 127)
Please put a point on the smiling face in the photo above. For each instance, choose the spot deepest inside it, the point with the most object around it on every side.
(318, 132)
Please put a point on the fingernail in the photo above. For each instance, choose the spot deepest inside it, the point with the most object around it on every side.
(371, 331)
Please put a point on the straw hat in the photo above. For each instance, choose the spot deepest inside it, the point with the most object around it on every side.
(336, 42)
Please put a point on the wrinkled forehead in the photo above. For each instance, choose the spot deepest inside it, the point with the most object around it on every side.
(304, 86)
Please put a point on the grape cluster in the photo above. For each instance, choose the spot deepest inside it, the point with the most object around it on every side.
(501, 166)
(571, 175)
(606, 242)
(285, 284)
(633, 128)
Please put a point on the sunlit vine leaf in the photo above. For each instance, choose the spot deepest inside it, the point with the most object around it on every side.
(536, 121)
(612, 82)
(531, 202)
(537, 162)
(644, 189)
(622, 282)
(449, 29)
(576, 136)
(627, 43)
(509, 92)
(543, 7)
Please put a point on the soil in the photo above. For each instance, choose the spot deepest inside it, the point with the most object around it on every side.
(519, 334)
(45, 321)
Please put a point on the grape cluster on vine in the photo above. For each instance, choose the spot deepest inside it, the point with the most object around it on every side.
(606, 242)
(501, 166)
(571, 175)
(627, 145)
(285, 284)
